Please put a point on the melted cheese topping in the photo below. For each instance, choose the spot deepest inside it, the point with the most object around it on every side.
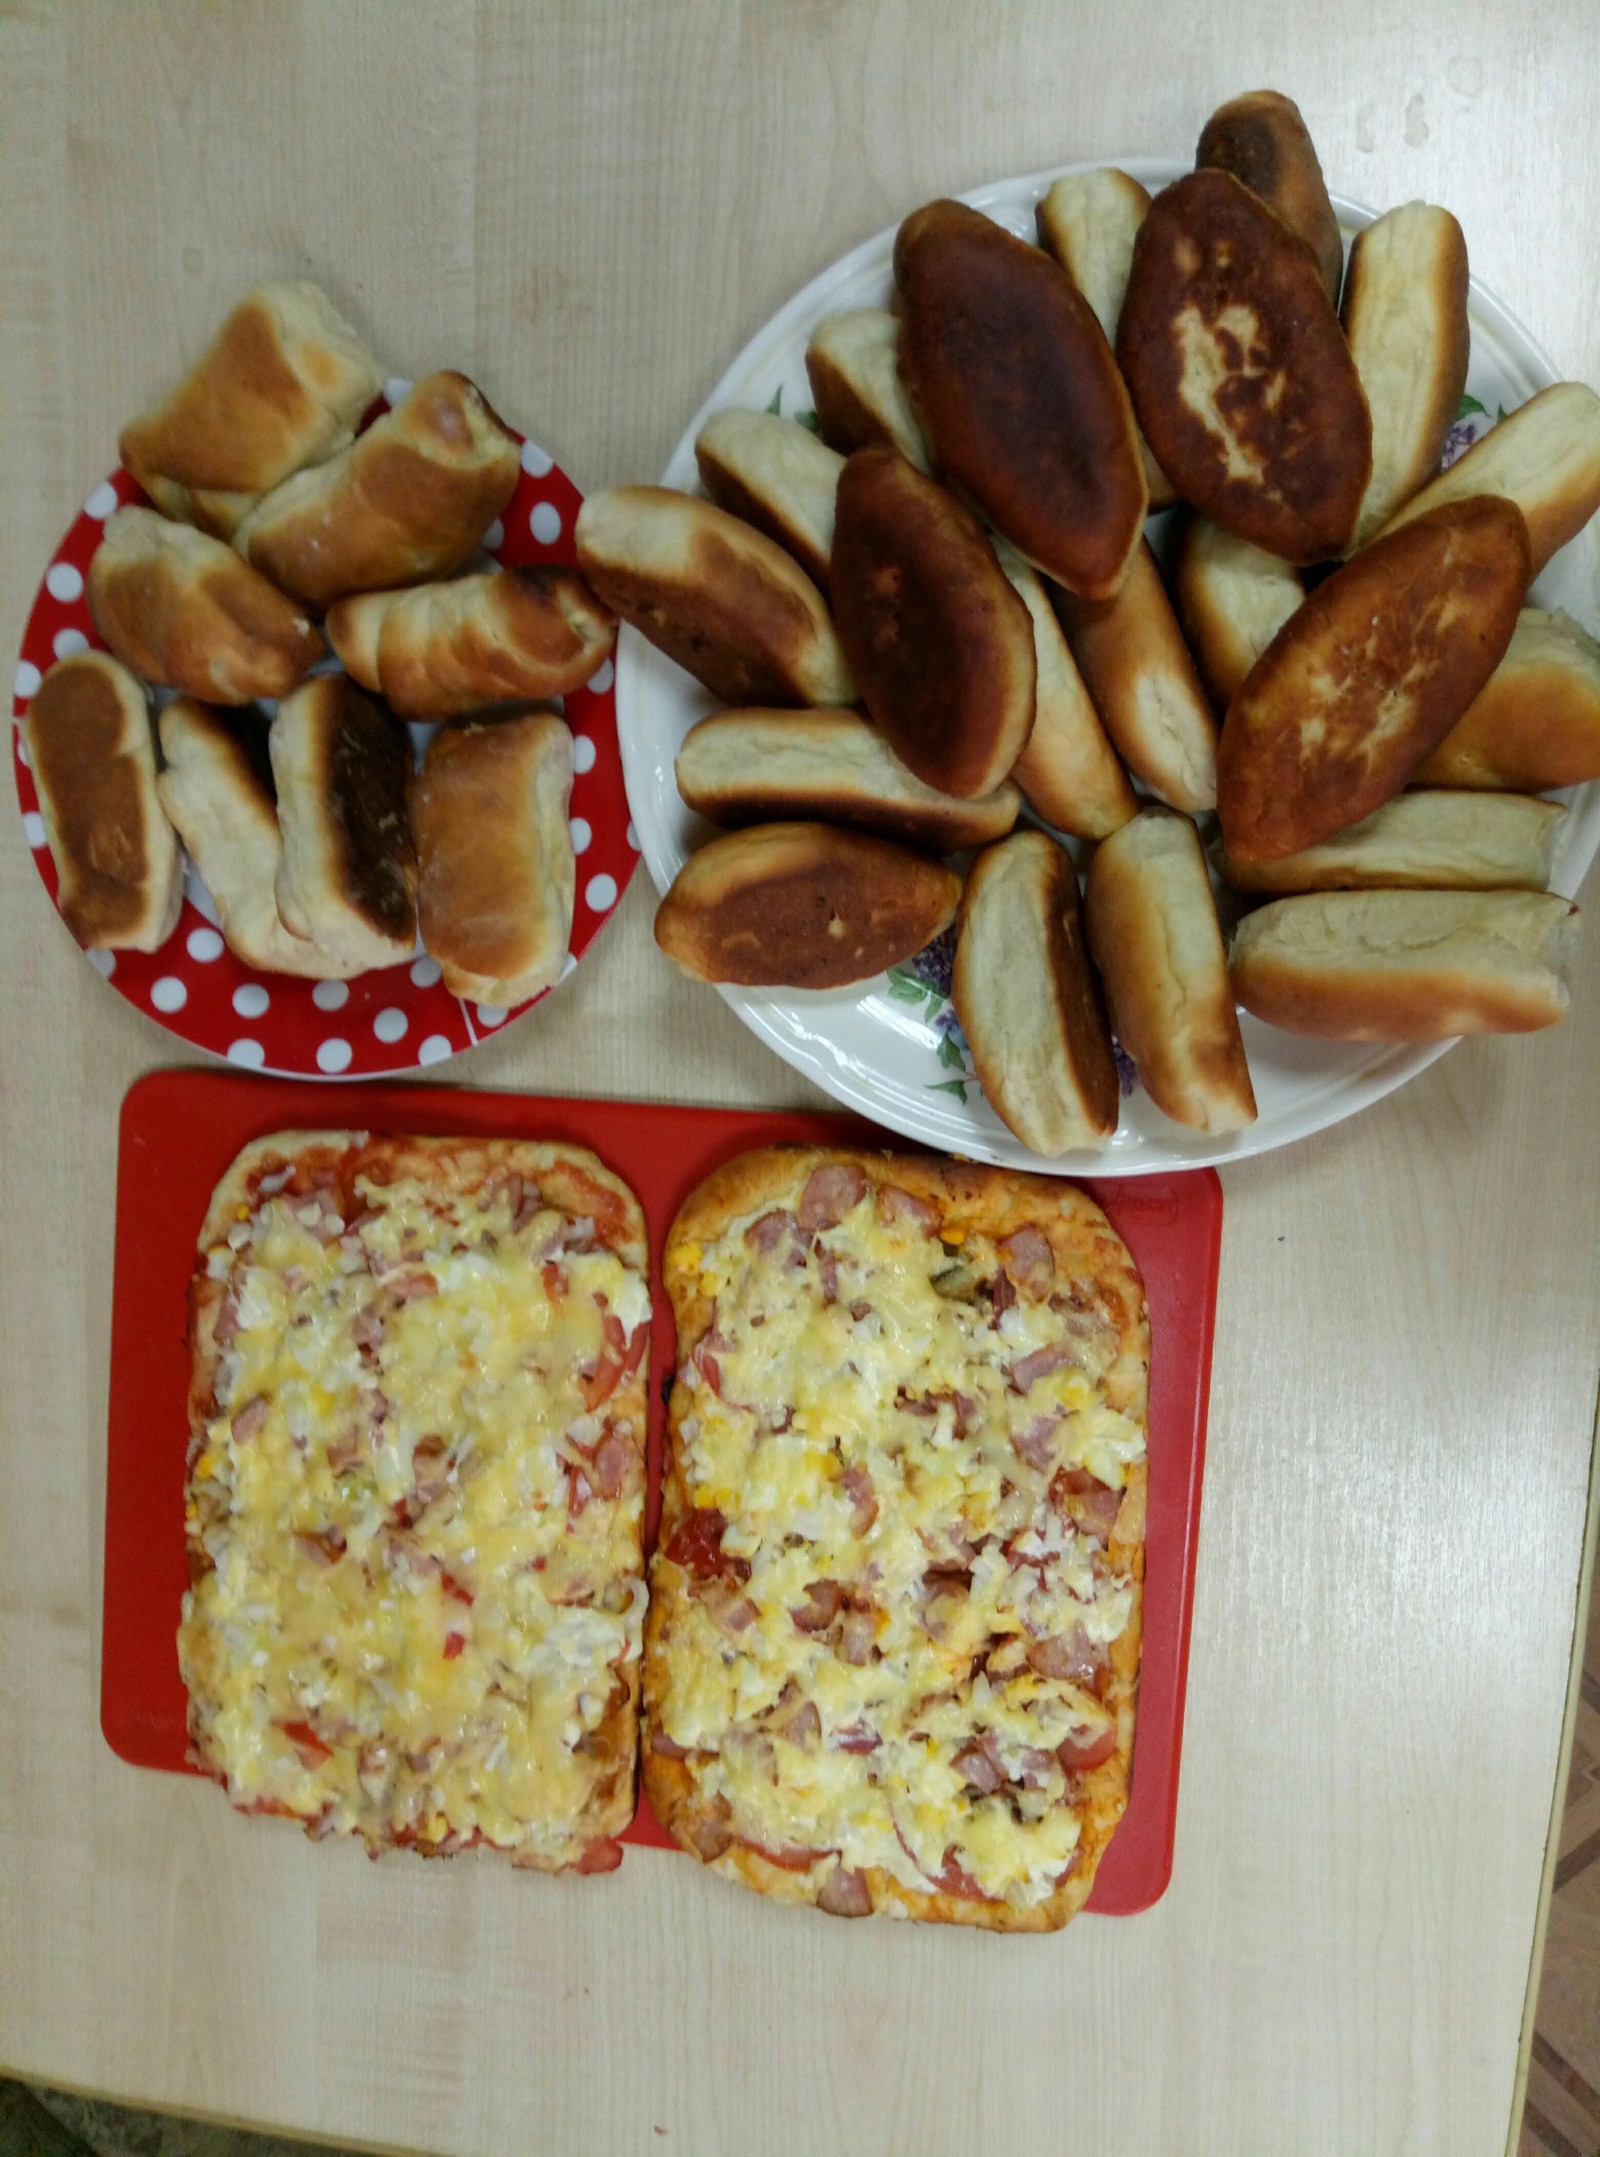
(856, 1414)
(423, 1546)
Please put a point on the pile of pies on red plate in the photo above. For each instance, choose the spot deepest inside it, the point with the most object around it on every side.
(282, 528)
(941, 607)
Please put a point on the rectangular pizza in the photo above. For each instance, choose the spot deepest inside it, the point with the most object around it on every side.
(892, 1650)
(416, 1493)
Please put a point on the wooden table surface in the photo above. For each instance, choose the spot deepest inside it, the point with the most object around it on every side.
(589, 208)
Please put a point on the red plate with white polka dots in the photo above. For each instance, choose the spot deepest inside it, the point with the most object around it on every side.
(402, 1018)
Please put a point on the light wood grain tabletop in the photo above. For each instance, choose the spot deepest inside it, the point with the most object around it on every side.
(589, 208)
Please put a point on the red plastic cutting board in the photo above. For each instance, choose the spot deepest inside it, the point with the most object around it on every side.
(180, 1129)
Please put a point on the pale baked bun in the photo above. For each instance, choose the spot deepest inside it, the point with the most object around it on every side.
(1544, 456)
(802, 906)
(1136, 666)
(1426, 840)
(1028, 1000)
(1089, 222)
(183, 611)
(1068, 770)
(1019, 396)
(778, 477)
(1263, 141)
(720, 598)
(93, 760)
(1405, 314)
(434, 651)
(1369, 677)
(494, 855)
(936, 637)
(1153, 930)
(216, 786)
(753, 767)
(282, 385)
(1535, 723)
(853, 364)
(1240, 373)
(348, 877)
(1406, 965)
(1233, 598)
(409, 499)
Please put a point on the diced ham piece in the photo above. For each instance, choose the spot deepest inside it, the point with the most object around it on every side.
(856, 1737)
(968, 1414)
(578, 1497)
(1035, 1443)
(828, 1268)
(894, 1205)
(1087, 1750)
(430, 1472)
(772, 1232)
(249, 1420)
(326, 1545)
(802, 1726)
(696, 1545)
(307, 1744)
(858, 1489)
(1029, 1369)
(1034, 1773)
(1004, 1294)
(730, 1611)
(845, 1894)
(1068, 1655)
(830, 1194)
(226, 1328)
(413, 1286)
(709, 1832)
(347, 1452)
(555, 1281)
(604, 1854)
(612, 1459)
(366, 1328)
(1029, 1259)
(858, 1635)
(824, 1601)
(980, 1763)
(953, 1879)
(619, 1359)
(1090, 1505)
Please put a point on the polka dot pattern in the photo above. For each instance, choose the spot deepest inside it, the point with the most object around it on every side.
(402, 1018)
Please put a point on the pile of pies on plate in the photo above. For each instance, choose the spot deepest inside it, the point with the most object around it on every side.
(284, 531)
(1329, 705)
(885, 1655)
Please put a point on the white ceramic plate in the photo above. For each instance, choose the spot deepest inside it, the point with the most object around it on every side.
(891, 1048)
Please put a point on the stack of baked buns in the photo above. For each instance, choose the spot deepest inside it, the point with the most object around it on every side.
(299, 561)
(939, 613)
